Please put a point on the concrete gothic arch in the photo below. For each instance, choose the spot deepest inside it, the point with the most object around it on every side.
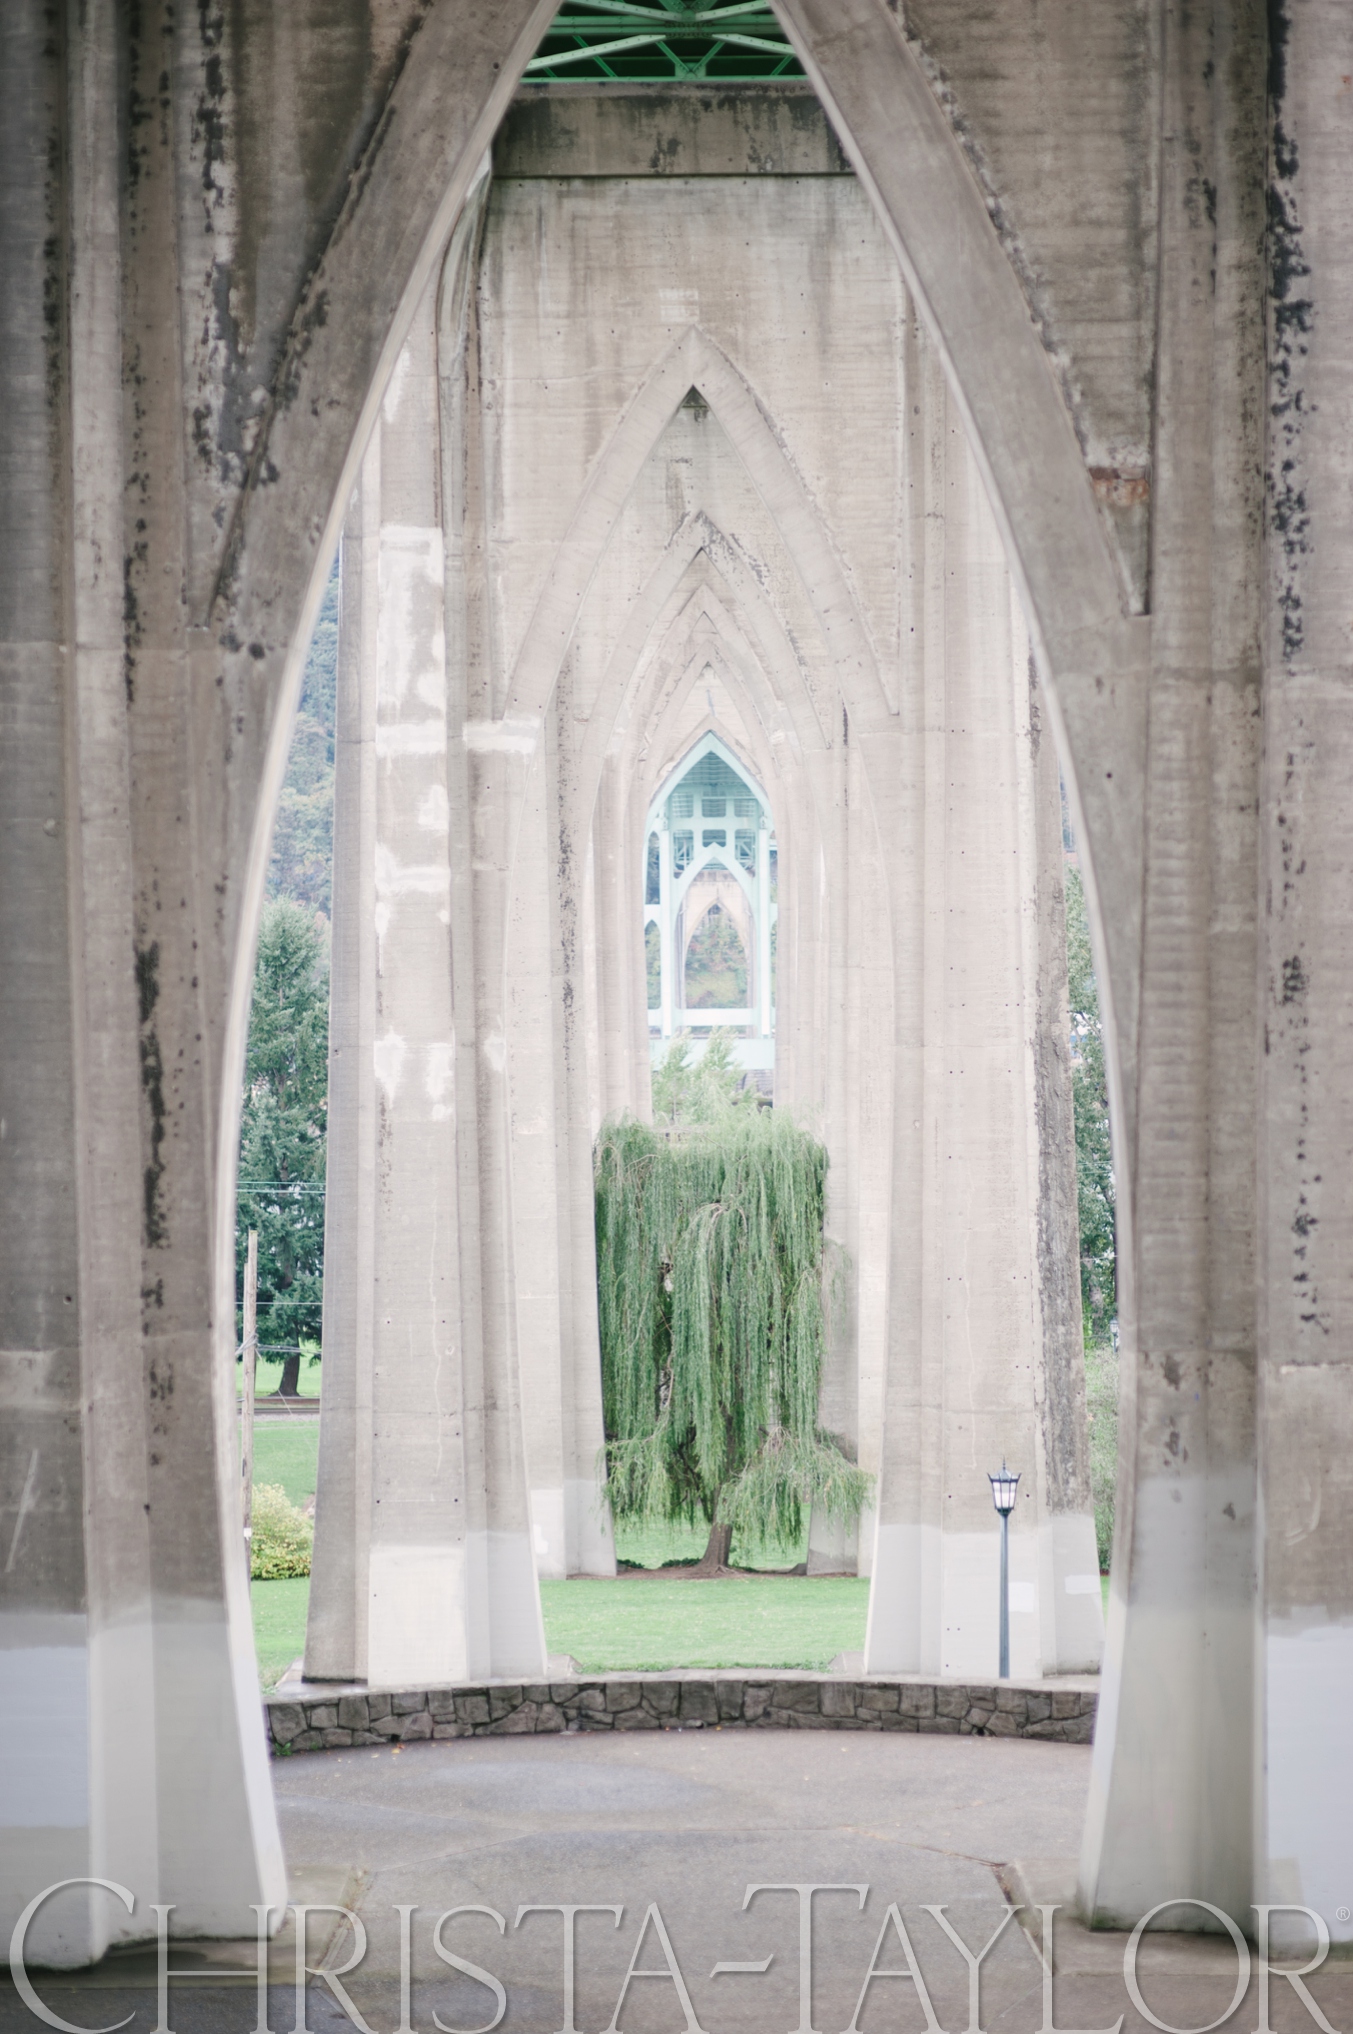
(705, 625)
(712, 629)
(711, 637)
(1227, 989)
(793, 720)
(781, 741)
(413, 133)
(703, 583)
(734, 632)
(735, 890)
(702, 632)
(626, 713)
(692, 362)
(346, 339)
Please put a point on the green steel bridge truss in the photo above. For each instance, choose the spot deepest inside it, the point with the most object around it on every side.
(734, 42)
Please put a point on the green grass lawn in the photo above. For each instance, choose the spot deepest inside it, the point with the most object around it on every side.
(633, 1624)
(268, 1375)
(287, 1452)
(765, 1621)
(660, 1546)
(636, 1625)
(279, 1625)
(639, 1626)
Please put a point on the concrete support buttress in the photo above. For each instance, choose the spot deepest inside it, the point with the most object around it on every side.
(124, 1605)
(984, 1313)
(423, 1569)
(1304, 1640)
(1171, 1804)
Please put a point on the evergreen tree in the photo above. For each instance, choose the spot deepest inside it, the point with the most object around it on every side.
(281, 1190)
(712, 1312)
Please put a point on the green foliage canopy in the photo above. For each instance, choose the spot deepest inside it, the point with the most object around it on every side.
(1090, 1102)
(713, 1321)
(689, 1090)
(281, 1192)
(303, 838)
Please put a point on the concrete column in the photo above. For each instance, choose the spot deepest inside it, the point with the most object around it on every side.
(432, 1556)
(45, 1629)
(614, 1001)
(124, 1608)
(553, 1321)
(973, 1360)
(1304, 1641)
(534, 1103)
(628, 673)
(1171, 1805)
(589, 1546)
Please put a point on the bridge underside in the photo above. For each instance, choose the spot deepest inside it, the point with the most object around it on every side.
(660, 481)
(223, 236)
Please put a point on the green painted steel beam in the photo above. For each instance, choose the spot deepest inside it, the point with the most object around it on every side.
(730, 42)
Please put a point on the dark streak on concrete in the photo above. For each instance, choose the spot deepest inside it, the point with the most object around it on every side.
(152, 1084)
(1292, 317)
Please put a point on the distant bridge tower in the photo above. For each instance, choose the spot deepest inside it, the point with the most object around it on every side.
(710, 846)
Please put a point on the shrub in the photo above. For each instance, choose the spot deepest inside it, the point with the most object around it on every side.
(283, 1536)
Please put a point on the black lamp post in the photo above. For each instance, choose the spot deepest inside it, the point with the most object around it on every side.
(1003, 1490)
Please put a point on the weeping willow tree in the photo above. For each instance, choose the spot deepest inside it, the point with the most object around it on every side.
(713, 1318)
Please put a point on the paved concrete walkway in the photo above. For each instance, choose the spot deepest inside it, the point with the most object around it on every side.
(686, 1821)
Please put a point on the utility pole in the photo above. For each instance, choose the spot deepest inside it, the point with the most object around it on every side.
(250, 1354)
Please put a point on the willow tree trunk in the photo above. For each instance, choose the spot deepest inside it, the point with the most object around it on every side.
(714, 1560)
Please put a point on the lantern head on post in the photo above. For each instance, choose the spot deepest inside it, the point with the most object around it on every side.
(1003, 1490)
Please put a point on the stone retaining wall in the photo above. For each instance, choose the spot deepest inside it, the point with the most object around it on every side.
(687, 1702)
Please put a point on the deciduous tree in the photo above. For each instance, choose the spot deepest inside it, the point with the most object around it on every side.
(713, 1321)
